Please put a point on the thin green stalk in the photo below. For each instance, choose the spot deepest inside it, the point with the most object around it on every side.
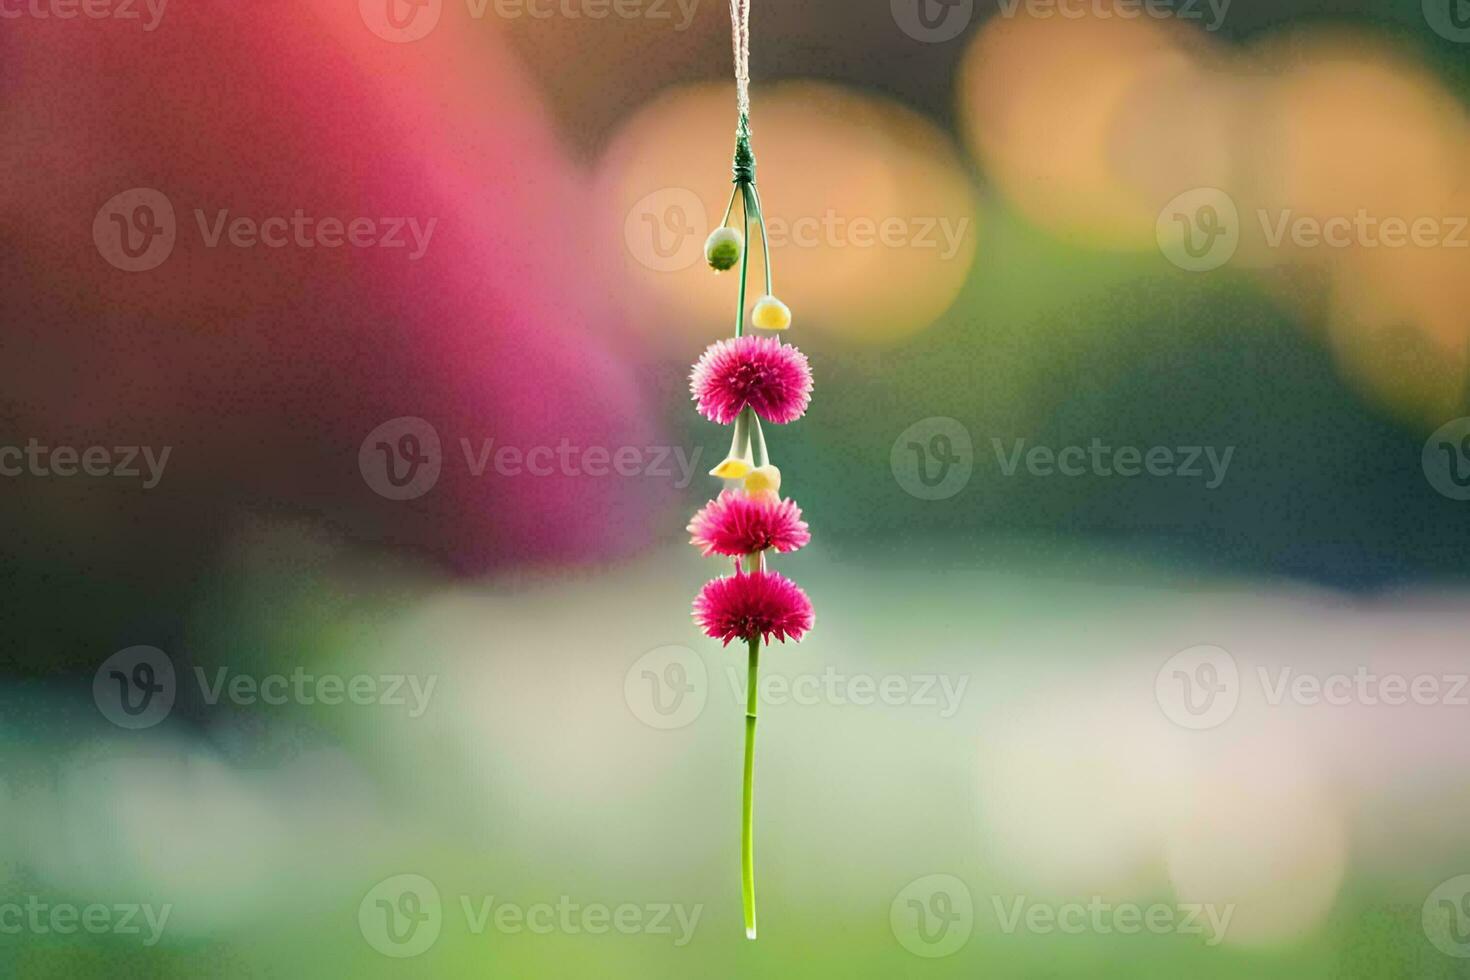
(758, 440)
(740, 438)
(747, 827)
(730, 207)
(760, 216)
(745, 207)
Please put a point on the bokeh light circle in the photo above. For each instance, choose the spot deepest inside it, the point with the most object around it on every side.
(872, 217)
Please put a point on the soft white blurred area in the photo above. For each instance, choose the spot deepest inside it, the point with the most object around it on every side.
(1021, 746)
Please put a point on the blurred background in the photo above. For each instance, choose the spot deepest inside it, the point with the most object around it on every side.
(346, 454)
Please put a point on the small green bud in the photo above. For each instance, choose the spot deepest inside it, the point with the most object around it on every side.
(723, 248)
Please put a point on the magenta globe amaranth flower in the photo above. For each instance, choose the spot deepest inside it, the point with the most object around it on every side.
(737, 523)
(748, 605)
(771, 378)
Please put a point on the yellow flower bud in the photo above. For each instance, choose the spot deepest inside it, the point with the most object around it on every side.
(771, 314)
(732, 468)
(763, 479)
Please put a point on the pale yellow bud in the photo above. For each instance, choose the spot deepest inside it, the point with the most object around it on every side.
(732, 468)
(763, 479)
(771, 314)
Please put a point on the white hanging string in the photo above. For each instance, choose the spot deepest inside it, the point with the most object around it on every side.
(740, 35)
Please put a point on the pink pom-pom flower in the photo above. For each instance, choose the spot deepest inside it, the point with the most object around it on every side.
(770, 377)
(738, 523)
(750, 604)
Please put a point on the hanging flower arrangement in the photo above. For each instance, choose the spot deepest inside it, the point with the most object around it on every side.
(742, 381)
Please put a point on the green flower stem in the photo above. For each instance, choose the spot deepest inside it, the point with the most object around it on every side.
(745, 209)
(760, 216)
(729, 207)
(740, 439)
(747, 827)
(758, 439)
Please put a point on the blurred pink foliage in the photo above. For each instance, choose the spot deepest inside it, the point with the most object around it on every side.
(266, 367)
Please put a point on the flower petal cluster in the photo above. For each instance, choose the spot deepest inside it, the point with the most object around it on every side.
(737, 523)
(771, 378)
(750, 604)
